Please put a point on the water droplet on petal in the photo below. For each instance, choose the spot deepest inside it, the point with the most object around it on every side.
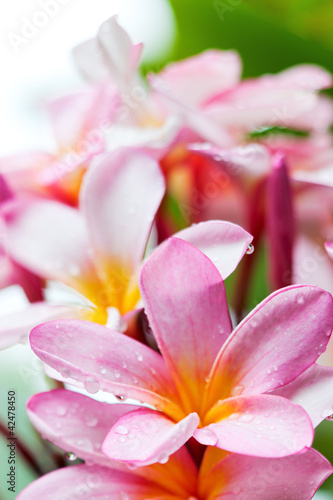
(131, 466)
(70, 456)
(121, 398)
(91, 385)
(328, 414)
(121, 429)
(139, 357)
(236, 391)
(163, 458)
(91, 421)
(61, 411)
(250, 249)
(220, 329)
(300, 298)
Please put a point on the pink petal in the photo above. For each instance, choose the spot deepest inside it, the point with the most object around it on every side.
(224, 243)
(185, 301)
(275, 343)
(83, 482)
(313, 390)
(262, 426)
(308, 76)
(280, 224)
(322, 177)
(329, 248)
(75, 423)
(312, 265)
(104, 359)
(50, 239)
(78, 122)
(213, 71)
(16, 327)
(120, 197)
(21, 171)
(250, 160)
(145, 436)
(111, 53)
(296, 477)
(251, 103)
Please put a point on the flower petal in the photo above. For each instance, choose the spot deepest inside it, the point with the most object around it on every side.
(104, 359)
(296, 477)
(50, 239)
(120, 197)
(262, 426)
(110, 53)
(145, 436)
(185, 302)
(75, 423)
(93, 482)
(329, 248)
(274, 344)
(280, 224)
(214, 71)
(224, 243)
(313, 390)
(16, 327)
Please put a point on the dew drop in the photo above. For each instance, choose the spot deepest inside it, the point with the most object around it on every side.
(61, 411)
(116, 374)
(220, 329)
(70, 456)
(236, 391)
(91, 385)
(119, 397)
(121, 429)
(250, 249)
(65, 372)
(300, 298)
(139, 357)
(163, 458)
(91, 421)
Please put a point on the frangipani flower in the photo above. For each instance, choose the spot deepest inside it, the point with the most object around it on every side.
(75, 422)
(98, 249)
(207, 382)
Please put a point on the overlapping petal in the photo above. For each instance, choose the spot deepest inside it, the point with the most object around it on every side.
(119, 199)
(282, 337)
(144, 437)
(75, 422)
(50, 239)
(103, 359)
(264, 425)
(313, 390)
(296, 477)
(224, 243)
(15, 327)
(189, 333)
(93, 482)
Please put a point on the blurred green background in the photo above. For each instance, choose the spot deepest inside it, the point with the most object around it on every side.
(269, 36)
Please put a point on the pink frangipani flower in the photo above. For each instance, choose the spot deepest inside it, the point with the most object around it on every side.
(207, 382)
(98, 249)
(75, 422)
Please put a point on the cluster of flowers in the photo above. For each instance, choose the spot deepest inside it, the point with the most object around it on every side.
(130, 214)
